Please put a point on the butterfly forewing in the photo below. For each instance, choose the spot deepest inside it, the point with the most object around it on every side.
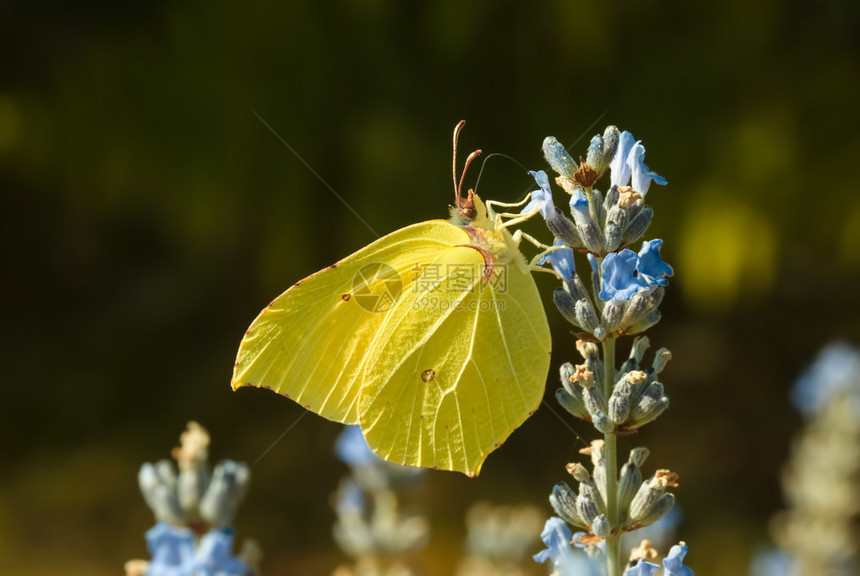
(311, 342)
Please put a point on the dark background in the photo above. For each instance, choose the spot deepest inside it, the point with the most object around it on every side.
(147, 216)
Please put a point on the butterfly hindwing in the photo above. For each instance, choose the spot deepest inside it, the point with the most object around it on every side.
(459, 363)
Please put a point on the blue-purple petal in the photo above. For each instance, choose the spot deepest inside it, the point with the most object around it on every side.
(556, 536)
(352, 448)
(640, 173)
(651, 267)
(673, 563)
(642, 568)
(619, 276)
(172, 550)
(579, 203)
(214, 555)
(541, 199)
(561, 261)
(619, 168)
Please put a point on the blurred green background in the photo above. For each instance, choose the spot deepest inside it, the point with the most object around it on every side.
(147, 216)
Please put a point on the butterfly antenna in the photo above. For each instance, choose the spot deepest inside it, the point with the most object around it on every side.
(484, 165)
(465, 205)
(471, 157)
(457, 129)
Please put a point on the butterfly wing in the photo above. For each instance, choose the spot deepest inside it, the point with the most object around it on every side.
(459, 363)
(311, 342)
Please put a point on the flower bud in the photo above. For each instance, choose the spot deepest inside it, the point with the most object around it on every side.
(563, 501)
(650, 405)
(158, 486)
(657, 294)
(585, 315)
(565, 373)
(589, 489)
(651, 502)
(637, 225)
(616, 219)
(588, 229)
(191, 457)
(638, 307)
(599, 210)
(564, 229)
(226, 490)
(190, 488)
(611, 137)
(594, 158)
(631, 477)
(588, 350)
(598, 475)
(649, 320)
(595, 277)
(586, 508)
(573, 404)
(619, 408)
(613, 312)
(591, 394)
(602, 423)
(577, 288)
(558, 157)
(661, 358)
(567, 306)
(634, 382)
(611, 198)
(601, 526)
(578, 471)
(630, 200)
(657, 510)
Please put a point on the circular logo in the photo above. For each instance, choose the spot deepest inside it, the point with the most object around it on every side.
(376, 287)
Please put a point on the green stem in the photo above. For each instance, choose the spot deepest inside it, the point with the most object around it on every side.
(610, 454)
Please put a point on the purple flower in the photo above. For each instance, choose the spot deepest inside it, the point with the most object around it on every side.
(556, 535)
(836, 369)
(774, 563)
(172, 550)
(214, 556)
(619, 276)
(541, 199)
(651, 267)
(625, 273)
(673, 563)
(352, 448)
(642, 568)
(579, 204)
(629, 162)
(561, 261)
(173, 553)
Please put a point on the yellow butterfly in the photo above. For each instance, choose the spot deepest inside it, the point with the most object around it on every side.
(432, 338)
